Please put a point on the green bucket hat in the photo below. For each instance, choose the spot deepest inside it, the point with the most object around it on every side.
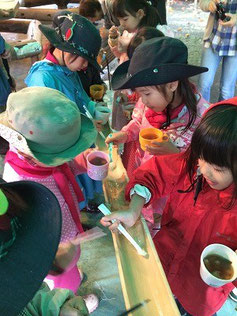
(74, 34)
(43, 123)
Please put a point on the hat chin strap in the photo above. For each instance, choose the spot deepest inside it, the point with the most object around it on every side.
(168, 121)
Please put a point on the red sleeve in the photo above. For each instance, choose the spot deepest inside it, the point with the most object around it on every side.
(159, 174)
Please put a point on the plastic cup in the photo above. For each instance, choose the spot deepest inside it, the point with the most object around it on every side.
(223, 251)
(102, 113)
(97, 165)
(97, 91)
(148, 135)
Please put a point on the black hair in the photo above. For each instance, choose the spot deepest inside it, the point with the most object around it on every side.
(143, 34)
(151, 17)
(88, 8)
(186, 90)
(215, 141)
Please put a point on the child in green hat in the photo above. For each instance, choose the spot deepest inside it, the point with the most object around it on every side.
(47, 136)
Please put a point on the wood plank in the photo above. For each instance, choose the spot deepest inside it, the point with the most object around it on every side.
(141, 277)
(40, 14)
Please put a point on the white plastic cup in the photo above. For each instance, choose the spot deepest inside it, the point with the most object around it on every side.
(223, 251)
(94, 171)
(102, 113)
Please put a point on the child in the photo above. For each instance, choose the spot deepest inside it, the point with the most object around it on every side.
(89, 75)
(30, 214)
(76, 42)
(159, 72)
(201, 210)
(91, 9)
(133, 15)
(220, 44)
(45, 131)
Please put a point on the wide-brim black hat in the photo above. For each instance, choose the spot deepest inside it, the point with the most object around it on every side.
(156, 61)
(76, 35)
(29, 259)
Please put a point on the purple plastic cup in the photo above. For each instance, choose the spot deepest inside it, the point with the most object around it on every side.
(97, 165)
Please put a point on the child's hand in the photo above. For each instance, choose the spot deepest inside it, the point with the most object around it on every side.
(65, 254)
(123, 41)
(87, 152)
(104, 33)
(232, 22)
(98, 125)
(117, 138)
(74, 307)
(212, 6)
(162, 148)
(127, 217)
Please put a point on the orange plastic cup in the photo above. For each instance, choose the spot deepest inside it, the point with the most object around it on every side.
(148, 135)
(97, 91)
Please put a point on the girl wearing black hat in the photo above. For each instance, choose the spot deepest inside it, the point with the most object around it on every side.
(159, 72)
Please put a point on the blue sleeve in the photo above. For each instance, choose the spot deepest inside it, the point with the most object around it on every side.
(2, 44)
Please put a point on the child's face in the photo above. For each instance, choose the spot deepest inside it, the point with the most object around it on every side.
(153, 98)
(218, 178)
(75, 62)
(130, 22)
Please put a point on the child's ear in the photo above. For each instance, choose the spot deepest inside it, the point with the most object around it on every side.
(172, 86)
(140, 14)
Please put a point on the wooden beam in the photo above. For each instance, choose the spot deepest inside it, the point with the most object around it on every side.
(14, 26)
(62, 4)
(39, 14)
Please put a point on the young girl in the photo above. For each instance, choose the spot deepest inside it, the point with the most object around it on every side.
(159, 72)
(201, 210)
(133, 15)
(45, 131)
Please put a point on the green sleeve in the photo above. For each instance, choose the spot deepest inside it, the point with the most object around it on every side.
(47, 302)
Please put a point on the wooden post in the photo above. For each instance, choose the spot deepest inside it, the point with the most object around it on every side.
(40, 14)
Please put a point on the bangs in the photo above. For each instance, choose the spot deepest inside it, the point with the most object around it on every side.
(215, 140)
(121, 9)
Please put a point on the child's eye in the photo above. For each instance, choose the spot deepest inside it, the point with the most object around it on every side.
(219, 170)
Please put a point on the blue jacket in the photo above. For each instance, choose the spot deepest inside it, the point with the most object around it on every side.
(47, 74)
(5, 88)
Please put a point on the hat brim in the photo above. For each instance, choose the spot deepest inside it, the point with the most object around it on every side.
(55, 39)
(87, 138)
(161, 74)
(30, 258)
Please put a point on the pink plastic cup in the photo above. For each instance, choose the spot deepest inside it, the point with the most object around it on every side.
(97, 165)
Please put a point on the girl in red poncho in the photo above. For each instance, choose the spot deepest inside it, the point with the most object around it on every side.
(202, 209)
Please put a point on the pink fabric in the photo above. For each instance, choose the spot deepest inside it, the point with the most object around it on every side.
(69, 279)
(174, 131)
(51, 58)
(156, 119)
(62, 176)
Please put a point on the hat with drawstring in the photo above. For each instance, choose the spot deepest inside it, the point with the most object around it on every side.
(30, 231)
(154, 62)
(44, 124)
(76, 35)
